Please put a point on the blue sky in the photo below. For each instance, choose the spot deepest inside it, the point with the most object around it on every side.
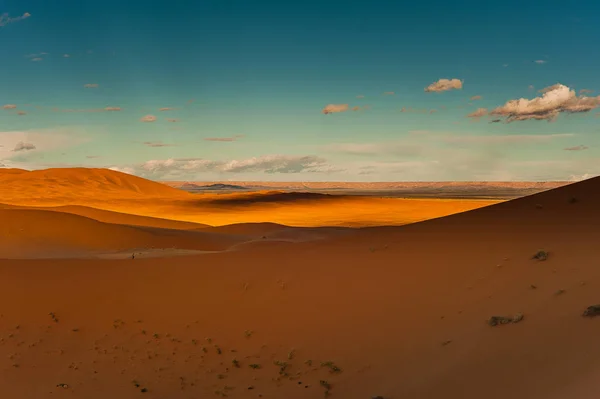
(243, 85)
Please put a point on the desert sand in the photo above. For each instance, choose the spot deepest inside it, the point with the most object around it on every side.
(261, 310)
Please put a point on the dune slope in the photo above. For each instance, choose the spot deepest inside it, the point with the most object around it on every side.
(74, 183)
(31, 233)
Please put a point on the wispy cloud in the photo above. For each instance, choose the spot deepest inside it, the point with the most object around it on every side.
(6, 19)
(157, 144)
(148, 118)
(478, 113)
(540, 61)
(576, 148)
(445, 85)
(360, 96)
(9, 106)
(475, 98)
(388, 93)
(333, 108)
(506, 139)
(91, 85)
(93, 156)
(555, 99)
(585, 91)
(166, 109)
(172, 120)
(225, 139)
(396, 148)
(113, 109)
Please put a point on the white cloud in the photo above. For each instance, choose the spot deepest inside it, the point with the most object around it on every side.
(445, 85)
(555, 99)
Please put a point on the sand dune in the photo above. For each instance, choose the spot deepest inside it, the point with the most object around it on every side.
(115, 217)
(29, 233)
(118, 192)
(74, 183)
(398, 312)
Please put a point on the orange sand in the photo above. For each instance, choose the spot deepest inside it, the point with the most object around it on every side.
(400, 310)
(119, 192)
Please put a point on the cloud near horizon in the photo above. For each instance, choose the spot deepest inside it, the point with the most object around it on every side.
(555, 99)
(23, 146)
(444, 85)
(269, 164)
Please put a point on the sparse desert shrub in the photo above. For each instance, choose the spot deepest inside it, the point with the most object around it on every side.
(255, 366)
(291, 354)
(235, 363)
(331, 366)
(248, 333)
(539, 206)
(308, 362)
(498, 320)
(573, 200)
(592, 311)
(325, 384)
(540, 255)
(282, 367)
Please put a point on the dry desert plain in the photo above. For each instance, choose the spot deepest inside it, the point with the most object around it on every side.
(259, 310)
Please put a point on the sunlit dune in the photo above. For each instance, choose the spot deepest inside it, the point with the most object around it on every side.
(70, 184)
(395, 312)
(120, 192)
